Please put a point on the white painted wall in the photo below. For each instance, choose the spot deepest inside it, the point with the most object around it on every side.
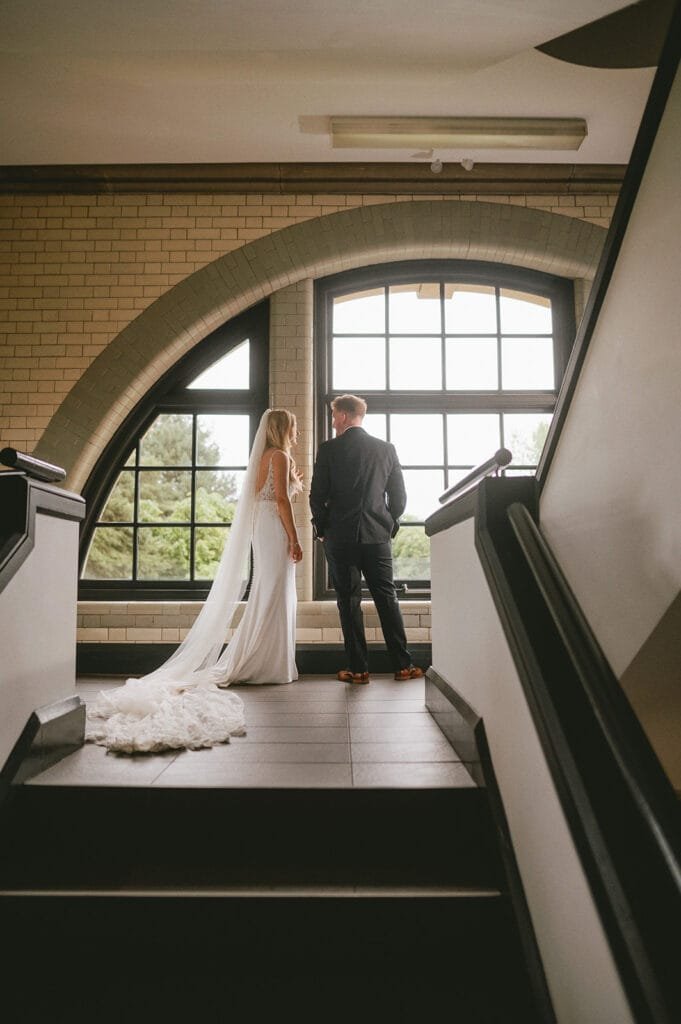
(611, 507)
(38, 628)
(471, 653)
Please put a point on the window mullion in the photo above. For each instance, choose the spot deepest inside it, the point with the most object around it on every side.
(136, 517)
(386, 293)
(192, 497)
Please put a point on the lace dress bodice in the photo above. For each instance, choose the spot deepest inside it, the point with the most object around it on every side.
(266, 492)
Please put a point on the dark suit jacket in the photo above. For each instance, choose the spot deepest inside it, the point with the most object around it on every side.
(357, 491)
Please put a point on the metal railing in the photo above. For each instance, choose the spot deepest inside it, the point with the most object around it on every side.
(35, 468)
(501, 458)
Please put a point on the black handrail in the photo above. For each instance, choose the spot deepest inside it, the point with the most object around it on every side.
(35, 468)
(619, 724)
(501, 458)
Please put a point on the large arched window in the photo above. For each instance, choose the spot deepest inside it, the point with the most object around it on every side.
(162, 497)
(455, 359)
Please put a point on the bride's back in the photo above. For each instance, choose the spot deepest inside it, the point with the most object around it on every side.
(264, 469)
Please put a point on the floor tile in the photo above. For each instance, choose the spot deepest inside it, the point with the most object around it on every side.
(388, 691)
(94, 766)
(300, 776)
(293, 734)
(417, 729)
(372, 704)
(291, 691)
(243, 752)
(322, 707)
(404, 752)
(261, 716)
(411, 776)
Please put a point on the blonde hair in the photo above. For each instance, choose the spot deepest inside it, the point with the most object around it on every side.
(281, 426)
(350, 404)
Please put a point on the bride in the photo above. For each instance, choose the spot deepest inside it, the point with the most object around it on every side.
(181, 704)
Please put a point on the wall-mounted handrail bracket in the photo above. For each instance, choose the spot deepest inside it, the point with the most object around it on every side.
(37, 469)
(499, 460)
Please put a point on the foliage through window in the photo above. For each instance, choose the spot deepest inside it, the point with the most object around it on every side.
(455, 361)
(164, 516)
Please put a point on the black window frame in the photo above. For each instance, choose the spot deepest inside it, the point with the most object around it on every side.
(170, 394)
(559, 290)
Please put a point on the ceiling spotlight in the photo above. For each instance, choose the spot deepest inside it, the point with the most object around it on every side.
(468, 164)
(436, 165)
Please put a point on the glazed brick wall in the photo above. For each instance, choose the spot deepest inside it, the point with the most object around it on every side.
(75, 270)
(169, 622)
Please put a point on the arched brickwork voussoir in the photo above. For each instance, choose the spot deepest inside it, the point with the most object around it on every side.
(183, 316)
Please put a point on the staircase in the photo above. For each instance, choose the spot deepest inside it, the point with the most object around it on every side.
(263, 902)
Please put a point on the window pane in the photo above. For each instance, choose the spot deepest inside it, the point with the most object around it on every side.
(411, 554)
(165, 495)
(418, 438)
(358, 363)
(471, 364)
(110, 554)
(120, 503)
(209, 542)
(424, 487)
(470, 309)
(168, 441)
(527, 364)
(163, 553)
(414, 309)
(415, 364)
(472, 438)
(216, 494)
(132, 458)
(525, 434)
(522, 313)
(360, 313)
(231, 371)
(374, 424)
(222, 440)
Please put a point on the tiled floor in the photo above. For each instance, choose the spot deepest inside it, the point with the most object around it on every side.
(315, 732)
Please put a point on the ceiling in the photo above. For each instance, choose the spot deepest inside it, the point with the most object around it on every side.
(221, 81)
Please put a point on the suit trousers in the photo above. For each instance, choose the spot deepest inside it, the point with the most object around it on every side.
(348, 562)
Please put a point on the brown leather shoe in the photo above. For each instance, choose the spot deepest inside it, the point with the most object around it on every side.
(347, 676)
(412, 672)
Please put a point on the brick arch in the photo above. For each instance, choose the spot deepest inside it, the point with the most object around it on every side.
(450, 229)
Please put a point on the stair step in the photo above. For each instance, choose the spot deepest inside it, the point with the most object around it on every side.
(383, 958)
(141, 903)
(269, 891)
(109, 838)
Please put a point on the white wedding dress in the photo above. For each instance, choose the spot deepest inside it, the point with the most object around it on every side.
(183, 704)
(262, 649)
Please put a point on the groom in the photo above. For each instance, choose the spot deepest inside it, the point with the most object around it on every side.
(357, 496)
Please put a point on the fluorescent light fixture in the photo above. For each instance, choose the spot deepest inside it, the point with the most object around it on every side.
(458, 132)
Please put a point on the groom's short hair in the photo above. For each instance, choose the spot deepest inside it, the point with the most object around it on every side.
(350, 404)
